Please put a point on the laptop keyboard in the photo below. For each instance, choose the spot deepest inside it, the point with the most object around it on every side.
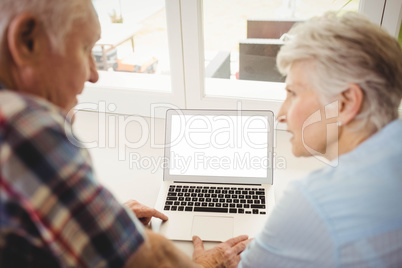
(240, 200)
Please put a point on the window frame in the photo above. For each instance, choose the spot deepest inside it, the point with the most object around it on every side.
(186, 47)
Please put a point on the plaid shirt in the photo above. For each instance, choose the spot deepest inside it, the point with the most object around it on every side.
(52, 211)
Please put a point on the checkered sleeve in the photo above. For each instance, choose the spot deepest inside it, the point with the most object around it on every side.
(77, 219)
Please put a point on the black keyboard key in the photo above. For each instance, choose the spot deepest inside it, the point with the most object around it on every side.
(248, 212)
(246, 206)
(197, 204)
(263, 212)
(259, 192)
(169, 203)
(225, 205)
(189, 208)
(174, 208)
(239, 205)
(176, 203)
(218, 205)
(243, 201)
(204, 204)
(232, 205)
(171, 198)
(240, 210)
(211, 205)
(172, 194)
(183, 203)
(181, 198)
(190, 204)
(257, 202)
(232, 210)
(167, 208)
(208, 209)
(255, 211)
(258, 206)
(181, 208)
(189, 199)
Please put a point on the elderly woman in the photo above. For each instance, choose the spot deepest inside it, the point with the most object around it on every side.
(344, 86)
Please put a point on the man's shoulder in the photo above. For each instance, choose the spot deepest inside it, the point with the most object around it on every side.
(26, 111)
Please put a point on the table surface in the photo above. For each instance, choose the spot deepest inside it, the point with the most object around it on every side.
(115, 33)
(116, 166)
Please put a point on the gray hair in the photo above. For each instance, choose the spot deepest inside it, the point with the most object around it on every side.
(349, 49)
(57, 16)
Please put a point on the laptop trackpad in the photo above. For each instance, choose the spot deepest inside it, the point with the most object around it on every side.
(213, 228)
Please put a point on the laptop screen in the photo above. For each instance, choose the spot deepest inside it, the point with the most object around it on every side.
(207, 144)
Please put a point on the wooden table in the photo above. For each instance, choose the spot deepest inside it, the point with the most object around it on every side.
(114, 35)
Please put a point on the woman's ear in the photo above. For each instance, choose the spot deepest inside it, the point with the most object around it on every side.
(23, 38)
(351, 102)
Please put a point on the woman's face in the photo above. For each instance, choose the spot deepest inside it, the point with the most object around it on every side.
(312, 125)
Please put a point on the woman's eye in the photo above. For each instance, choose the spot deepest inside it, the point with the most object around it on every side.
(290, 92)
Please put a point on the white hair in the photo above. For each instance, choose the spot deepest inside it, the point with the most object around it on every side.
(57, 16)
(345, 49)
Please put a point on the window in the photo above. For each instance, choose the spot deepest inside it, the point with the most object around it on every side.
(133, 57)
(201, 45)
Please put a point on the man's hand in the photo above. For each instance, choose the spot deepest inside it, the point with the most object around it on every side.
(144, 213)
(226, 254)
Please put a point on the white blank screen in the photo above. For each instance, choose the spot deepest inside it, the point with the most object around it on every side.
(210, 145)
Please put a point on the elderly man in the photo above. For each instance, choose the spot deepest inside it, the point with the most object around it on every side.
(53, 213)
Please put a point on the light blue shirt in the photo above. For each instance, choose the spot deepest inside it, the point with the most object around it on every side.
(348, 216)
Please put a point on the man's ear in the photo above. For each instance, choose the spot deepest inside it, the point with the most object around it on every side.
(23, 38)
(351, 102)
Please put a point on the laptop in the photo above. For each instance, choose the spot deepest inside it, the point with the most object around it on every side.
(217, 174)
